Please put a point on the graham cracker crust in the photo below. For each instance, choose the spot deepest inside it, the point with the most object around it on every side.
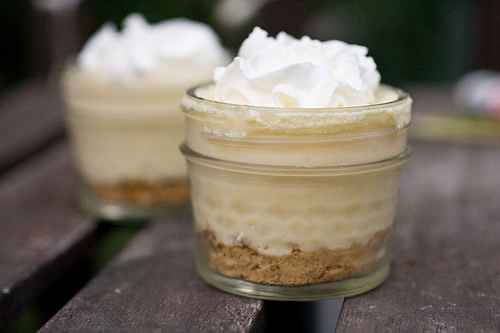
(298, 267)
(145, 192)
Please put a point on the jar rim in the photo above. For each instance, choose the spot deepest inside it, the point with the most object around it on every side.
(402, 96)
(395, 113)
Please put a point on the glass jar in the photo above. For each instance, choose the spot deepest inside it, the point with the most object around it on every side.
(125, 140)
(294, 204)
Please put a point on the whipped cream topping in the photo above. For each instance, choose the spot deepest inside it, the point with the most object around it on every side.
(289, 72)
(140, 48)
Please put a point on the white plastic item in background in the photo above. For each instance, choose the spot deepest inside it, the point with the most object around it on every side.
(479, 91)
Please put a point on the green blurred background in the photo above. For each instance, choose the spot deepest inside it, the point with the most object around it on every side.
(411, 40)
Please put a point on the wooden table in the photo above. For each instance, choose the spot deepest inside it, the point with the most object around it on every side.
(445, 273)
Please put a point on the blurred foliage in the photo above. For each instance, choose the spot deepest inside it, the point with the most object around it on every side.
(411, 40)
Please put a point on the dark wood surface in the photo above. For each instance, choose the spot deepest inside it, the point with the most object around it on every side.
(30, 118)
(153, 286)
(42, 234)
(445, 274)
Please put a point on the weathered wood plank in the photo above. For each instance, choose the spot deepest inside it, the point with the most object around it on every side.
(30, 118)
(445, 273)
(42, 234)
(446, 268)
(153, 286)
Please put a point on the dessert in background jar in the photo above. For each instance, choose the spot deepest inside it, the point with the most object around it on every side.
(294, 155)
(122, 96)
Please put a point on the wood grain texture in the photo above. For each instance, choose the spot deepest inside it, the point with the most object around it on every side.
(445, 275)
(30, 118)
(153, 287)
(42, 234)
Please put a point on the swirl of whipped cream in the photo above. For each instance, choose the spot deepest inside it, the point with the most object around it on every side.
(140, 48)
(289, 72)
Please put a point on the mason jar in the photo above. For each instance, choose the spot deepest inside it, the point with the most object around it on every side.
(125, 139)
(294, 203)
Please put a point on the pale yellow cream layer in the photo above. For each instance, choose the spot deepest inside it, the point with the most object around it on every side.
(125, 132)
